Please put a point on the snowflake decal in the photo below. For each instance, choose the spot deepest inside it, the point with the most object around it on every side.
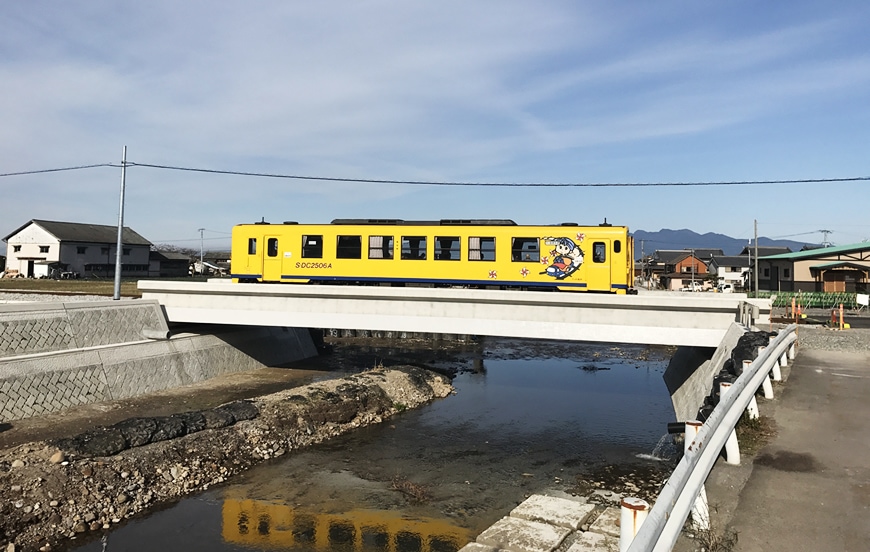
(493, 275)
(524, 272)
(545, 260)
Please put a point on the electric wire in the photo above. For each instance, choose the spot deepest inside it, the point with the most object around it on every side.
(40, 171)
(504, 184)
(456, 183)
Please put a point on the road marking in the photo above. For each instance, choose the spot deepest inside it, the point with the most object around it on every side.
(846, 375)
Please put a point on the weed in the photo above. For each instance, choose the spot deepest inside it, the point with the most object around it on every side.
(754, 433)
(712, 540)
(401, 407)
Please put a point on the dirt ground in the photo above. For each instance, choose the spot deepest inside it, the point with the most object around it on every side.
(52, 489)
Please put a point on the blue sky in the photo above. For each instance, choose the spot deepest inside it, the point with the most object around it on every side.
(487, 91)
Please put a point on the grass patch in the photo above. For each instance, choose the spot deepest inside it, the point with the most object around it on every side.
(129, 288)
(753, 434)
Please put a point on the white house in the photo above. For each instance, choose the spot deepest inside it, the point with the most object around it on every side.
(729, 269)
(44, 248)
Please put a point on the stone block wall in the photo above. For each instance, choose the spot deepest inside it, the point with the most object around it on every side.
(55, 356)
(30, 328)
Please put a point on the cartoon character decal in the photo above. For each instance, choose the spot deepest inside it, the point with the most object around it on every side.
(567, 256)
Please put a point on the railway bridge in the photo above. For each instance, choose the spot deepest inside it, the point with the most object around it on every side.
(690, 319)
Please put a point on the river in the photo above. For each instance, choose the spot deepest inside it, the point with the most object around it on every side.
(527, 417)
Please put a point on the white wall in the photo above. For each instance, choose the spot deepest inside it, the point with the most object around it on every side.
(30, 239)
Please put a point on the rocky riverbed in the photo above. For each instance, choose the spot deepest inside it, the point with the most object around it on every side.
(55, 490)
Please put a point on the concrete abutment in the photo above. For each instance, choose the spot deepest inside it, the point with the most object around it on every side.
(57, 355)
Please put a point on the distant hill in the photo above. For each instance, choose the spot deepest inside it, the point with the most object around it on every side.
(687, 239)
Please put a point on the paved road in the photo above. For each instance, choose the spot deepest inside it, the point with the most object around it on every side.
(810, 486)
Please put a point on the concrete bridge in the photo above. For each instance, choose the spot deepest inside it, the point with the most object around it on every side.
(690, 319)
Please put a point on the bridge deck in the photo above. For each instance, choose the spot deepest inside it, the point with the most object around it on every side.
(661, 319)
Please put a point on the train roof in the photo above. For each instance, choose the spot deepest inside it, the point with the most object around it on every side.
(442, 222)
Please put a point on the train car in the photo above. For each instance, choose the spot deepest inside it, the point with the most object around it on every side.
(470, 253)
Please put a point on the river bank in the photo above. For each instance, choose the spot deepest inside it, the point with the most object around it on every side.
(52, 490)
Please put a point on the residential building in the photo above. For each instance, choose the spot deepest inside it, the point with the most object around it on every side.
(829, 269)
(729, 269)
(51, 249)
(751, 251)
(678, 269)
(168, 264)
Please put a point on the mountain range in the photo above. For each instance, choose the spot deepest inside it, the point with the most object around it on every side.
(665, 238)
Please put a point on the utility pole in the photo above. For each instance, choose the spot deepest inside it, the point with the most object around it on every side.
(693, 270)
(201, 266)
(119, 245)
(748, 281)
(756, 257)
(643, 265)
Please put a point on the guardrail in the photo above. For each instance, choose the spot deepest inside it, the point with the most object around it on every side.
(684, 491)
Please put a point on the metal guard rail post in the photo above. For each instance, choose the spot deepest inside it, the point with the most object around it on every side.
(668, 515)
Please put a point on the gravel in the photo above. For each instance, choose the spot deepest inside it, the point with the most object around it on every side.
(828, 339)
(51, 493)
(17, 297)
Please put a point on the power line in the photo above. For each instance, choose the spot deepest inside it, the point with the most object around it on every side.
(505, 184)
(453, 183)
(60, 169)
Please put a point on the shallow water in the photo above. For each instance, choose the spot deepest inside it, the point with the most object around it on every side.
(527, 417)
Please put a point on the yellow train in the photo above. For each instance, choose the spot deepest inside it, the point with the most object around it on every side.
(470, 253)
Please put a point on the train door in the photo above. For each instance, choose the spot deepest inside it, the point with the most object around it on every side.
(272, 260)
(598, 266)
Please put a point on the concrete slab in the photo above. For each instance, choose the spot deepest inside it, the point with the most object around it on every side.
(520, 535)
(554, 510)
(607, 523)
(594, 542)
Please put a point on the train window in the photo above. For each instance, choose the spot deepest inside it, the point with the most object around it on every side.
(414, 247)
(599, 252)
(448, 248)
(525, 250)
(349, 247)
(617, 246)
(312, 247)
(252, 246)
(272, 247)
(380, 247)
(481, 249)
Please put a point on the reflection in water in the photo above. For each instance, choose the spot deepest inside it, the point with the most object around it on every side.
(261, 524)
(527, 417)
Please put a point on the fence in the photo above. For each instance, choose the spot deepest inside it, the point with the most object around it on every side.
(811, 299)
(662, 526)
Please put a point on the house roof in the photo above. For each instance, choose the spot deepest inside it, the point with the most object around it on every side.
(765, 250)
(169, 256)
(822, 252)
(85, 233)
(669, 256)
(730, 260)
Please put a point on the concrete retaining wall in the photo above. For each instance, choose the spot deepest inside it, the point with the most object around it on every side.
(690, 373)
(57, 355)
(30, 328)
